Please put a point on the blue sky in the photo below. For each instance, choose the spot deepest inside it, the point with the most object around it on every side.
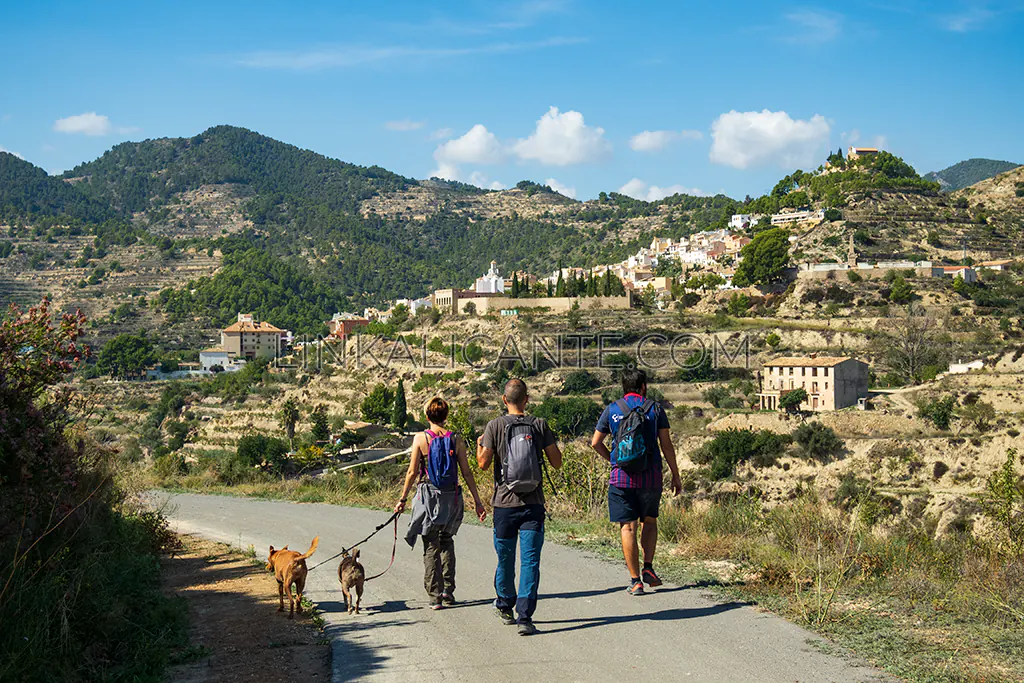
(648, 97)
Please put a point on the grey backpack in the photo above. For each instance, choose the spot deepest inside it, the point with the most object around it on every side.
(521, 466)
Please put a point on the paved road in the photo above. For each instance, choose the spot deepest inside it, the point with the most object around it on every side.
(590, 629)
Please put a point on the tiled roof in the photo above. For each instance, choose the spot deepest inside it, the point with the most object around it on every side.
(252, 327)
(807, 362)
(214, 349)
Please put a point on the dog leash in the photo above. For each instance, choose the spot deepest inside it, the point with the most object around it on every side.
(392, 518)
(394, 547)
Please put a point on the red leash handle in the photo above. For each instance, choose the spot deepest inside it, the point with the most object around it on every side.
(394, 547)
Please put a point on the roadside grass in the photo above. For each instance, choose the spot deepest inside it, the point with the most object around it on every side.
(97, 612)
(931, 610)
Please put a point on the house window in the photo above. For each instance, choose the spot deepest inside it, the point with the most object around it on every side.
(803, 372)
(814, 372)
(791, 371)
(826, 372)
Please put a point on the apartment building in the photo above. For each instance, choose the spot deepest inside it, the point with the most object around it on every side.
(249, 339)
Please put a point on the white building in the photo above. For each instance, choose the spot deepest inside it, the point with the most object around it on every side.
(798, 217)
(641, 260)
(215, 356)
(491, 283)
(415, 305)
(742, 221)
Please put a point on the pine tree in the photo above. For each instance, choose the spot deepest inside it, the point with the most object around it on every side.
(515, 285)
(399, 416)
(319, 424)
(608, 282)
(560, 285)
(550, 293)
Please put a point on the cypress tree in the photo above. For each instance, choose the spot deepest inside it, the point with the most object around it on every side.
(399, 416)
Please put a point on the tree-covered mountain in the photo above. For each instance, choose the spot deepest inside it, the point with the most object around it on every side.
(314, 245)
(966, 173)
(26, 191)
(305, 209)
(133, 176)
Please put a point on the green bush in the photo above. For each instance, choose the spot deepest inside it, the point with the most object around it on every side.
(817, 442)
(579, 382)
(938, 411)
(734, 446)
(698, 367)
(257, 450)
(569, 417)
(378, 405)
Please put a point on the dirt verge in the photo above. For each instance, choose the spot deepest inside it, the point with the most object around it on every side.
(235, 632)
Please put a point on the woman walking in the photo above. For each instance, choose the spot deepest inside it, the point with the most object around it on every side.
(438, 507)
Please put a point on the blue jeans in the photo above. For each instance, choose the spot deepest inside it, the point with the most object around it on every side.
(524, 525)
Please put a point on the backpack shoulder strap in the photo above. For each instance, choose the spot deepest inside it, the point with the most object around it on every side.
(646, 406)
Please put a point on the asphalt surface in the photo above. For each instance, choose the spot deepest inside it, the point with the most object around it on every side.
(590, 629)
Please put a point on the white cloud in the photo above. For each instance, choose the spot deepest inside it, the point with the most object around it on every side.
(974, 17)
(811, 27)
(342, 56)
(638, 189)
(558, 187)
(445, 172)
(746, 139)
(4, 149)
(404, 125)
(853, 137)
(477, 146)
(561, 139)
(480, 180)
(655, 140)
(89, 123)
(441, 134)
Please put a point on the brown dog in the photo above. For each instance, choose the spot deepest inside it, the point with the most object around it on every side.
(351, 575)
(290, 567)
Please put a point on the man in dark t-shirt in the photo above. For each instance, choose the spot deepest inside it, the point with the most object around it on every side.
(518, 517)
(634, 497)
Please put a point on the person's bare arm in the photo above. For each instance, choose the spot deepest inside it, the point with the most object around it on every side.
(669, 451)
(597, 443)
(484, 456)
(467, 475)
(554, 455)
(413, 471)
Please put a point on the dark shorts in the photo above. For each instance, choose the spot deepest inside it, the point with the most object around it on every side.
(630, 505)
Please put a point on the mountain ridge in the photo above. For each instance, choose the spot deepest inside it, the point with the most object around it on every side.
(969, 172)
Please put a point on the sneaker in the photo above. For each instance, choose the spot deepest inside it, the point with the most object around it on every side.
(436, 604)
(447, 600)
(651, 579)
(636, 587)
(526, 628)
(506, 616)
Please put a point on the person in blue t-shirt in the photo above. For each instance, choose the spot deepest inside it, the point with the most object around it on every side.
(634, 497)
